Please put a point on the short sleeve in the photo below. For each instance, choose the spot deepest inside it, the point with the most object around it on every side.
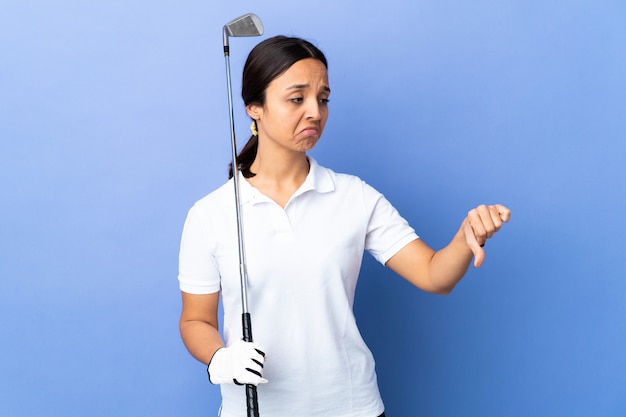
(197, 269)
(387, 230)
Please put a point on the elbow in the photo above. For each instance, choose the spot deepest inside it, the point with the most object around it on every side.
(442, 290)
(445, 292)
(431, 287)
(442, 285)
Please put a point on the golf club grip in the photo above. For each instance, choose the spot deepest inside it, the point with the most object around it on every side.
(252, 400)
(246, 323)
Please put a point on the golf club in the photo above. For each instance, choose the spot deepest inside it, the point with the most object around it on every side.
(243, 26)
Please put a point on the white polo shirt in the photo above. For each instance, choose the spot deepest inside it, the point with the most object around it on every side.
(303, 263)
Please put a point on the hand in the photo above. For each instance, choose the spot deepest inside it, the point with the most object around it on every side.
(480, 224)
(241, 363)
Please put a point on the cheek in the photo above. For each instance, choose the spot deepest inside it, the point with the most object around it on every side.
(283, 114)
(324, 117)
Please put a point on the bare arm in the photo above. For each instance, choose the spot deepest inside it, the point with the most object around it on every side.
(199, 325)
(439, 271)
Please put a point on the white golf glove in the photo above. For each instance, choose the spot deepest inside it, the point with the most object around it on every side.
(240, 363)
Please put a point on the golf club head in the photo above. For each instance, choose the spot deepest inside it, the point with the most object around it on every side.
(243, 26)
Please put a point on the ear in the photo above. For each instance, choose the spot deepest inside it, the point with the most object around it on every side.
(254, 111)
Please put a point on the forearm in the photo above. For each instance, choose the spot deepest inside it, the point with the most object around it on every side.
(448, 265)
(434, 272)
(201, 339)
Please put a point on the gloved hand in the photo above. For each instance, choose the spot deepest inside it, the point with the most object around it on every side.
(240, 363)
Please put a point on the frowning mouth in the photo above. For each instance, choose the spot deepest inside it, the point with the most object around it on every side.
(310, 131)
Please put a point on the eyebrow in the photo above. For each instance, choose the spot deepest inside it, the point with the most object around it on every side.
(303, 86)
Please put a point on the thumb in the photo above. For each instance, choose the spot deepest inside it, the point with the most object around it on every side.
(472, 243)
(503, 212)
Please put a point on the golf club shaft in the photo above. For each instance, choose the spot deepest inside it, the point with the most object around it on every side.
(235, 171)
(251, 391)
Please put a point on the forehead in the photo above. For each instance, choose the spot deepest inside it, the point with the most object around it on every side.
(306, 71)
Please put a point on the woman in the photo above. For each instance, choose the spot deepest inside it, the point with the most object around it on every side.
(306, 228)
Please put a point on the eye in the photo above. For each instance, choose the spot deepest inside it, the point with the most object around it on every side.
(296, 100)
(324, 100)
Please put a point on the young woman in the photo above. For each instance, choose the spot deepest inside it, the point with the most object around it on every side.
(306, 228)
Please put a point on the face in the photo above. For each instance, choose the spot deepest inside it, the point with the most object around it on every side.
(296, 108)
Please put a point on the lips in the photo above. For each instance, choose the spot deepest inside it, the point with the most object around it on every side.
(310, 131)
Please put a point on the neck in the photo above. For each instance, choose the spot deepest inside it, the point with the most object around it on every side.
(279, 176)
(281, 168)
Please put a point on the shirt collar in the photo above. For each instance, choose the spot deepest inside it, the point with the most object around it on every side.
(318, 179)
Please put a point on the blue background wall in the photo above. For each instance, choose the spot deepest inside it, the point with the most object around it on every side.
(113, 121)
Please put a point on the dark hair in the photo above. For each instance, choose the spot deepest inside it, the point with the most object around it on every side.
(267, 61)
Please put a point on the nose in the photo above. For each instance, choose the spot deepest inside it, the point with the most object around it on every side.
(313, 111)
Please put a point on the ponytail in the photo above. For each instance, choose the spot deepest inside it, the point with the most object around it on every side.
(246, 158)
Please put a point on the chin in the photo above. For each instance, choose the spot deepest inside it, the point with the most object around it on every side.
(307, 146)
